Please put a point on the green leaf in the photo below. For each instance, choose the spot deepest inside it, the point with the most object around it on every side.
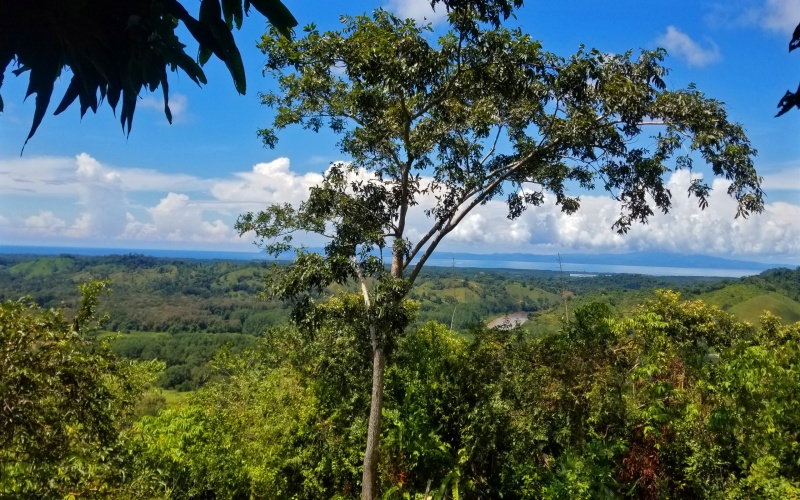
(232, 11)
(788, 101)
(203, 55)
(113, 93)
(128, 107)
(5, 58)
(230, 55)
(277, 14)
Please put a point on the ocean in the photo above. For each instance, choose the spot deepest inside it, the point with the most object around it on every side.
(495, 261)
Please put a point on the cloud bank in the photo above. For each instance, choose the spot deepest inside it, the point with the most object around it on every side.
(91, 203)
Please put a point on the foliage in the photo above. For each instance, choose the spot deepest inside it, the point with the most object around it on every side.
(285, 421)
(177, 296)
(182, 311)
(422, 121)
(237, 440)
(791, 99)
(66, 401)
(151, 294)
(677, 400)
(782, 280)
(187, 356)
(117, 49)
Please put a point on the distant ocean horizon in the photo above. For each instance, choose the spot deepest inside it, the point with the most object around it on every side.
(590, 269)
(640, 263)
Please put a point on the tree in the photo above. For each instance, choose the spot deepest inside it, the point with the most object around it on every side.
(116, 49)
(424, 124)
(65, 402)
(791, 99)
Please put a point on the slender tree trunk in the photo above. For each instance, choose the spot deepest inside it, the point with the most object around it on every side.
(369, 479)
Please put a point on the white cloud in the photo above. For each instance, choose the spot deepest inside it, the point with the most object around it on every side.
(37, 176)
(419, 10)
(60, 176)
(108, 213)
(780, 15)
(139, 179)
(45, 223)
(271, 182)
(176, 218)
(680, 44)
(685, 229)
(472, 229)
(102, 195)
(178, 106)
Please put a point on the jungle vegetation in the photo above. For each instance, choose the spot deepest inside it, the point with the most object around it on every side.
(671, 398)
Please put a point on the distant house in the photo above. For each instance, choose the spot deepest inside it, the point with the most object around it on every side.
(509, 321)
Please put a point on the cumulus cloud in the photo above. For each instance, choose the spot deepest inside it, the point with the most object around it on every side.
(103, 198)
(685, 229)
(475, 228)
(177, 219)
(107, 210)
(680, 44)
(45, 223)
(780, 15)
(60, 177)
(271, 182)
(786, 180)
(101, 195)
(38, 176)
(419, 10)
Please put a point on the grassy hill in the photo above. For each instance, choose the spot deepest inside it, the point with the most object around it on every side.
(775, 291)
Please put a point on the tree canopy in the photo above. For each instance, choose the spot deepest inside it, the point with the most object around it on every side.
(440, 128)
(66, 403)
(116, 49)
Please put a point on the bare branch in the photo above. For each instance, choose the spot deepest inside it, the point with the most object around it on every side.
(491, 151)
(362, 282)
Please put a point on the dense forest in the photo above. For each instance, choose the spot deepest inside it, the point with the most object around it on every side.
(638, 394)
(183, 311)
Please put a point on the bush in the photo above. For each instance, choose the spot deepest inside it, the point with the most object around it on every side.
(66, 402)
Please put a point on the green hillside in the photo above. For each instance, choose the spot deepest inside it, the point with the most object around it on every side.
(182, 311)
(775, 291)
(45, 266)
(783, 307)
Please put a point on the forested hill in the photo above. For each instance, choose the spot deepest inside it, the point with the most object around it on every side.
(148, 293)
(186, 295)
(182, 311)
(662, 389)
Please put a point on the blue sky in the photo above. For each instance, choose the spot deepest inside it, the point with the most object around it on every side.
(84, 183)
